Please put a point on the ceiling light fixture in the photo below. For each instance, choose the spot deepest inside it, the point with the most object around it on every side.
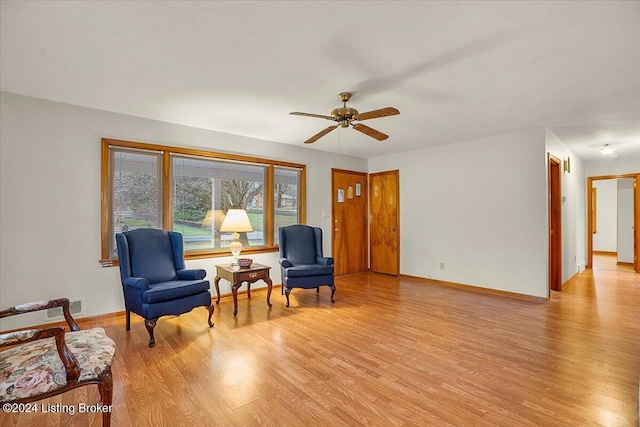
(607, 150)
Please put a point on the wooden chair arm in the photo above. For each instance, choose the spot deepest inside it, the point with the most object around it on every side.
(43, 305)
(68, 359)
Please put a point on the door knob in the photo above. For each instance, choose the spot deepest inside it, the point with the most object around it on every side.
(337, 229)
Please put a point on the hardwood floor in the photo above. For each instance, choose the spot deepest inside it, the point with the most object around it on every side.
(389, 352)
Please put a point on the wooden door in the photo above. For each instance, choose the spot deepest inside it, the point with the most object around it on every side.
(555, 225)
(384, 193)
(349, 220)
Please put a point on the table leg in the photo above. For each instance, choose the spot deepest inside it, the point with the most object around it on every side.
(269, 286)
(216, 282)
(249, 290)
(234, 291)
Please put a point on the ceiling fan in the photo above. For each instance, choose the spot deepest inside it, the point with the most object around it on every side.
(345, 116)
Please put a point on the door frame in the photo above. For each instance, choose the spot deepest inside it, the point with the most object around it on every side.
(555, 196)
(396, 172)
(636, 217)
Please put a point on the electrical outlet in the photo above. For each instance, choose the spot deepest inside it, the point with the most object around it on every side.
(442, 266)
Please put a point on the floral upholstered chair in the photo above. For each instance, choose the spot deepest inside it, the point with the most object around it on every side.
(46, 362)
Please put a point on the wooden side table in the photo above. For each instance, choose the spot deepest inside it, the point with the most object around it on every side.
(239, 275)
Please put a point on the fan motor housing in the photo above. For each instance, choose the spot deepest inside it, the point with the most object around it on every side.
(344, 113)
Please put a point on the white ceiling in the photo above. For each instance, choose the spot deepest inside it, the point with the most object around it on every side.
(455, 70)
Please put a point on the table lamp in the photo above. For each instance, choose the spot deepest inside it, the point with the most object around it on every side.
(236, 221)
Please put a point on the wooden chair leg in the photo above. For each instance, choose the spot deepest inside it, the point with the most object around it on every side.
(333, 291)
(210, 308)
(150, 324)
(106, 394)
(128, 320)
(287, 292)
(318, 289)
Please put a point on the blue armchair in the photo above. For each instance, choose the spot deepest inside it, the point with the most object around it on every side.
(301, 261)
(154, 280)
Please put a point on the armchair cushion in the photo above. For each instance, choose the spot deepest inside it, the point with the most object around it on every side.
(299, 245)
(309, 270)
(173, 290)
(151, 256)
(35, 367)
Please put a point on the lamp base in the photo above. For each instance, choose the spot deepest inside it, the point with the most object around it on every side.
(235, 247)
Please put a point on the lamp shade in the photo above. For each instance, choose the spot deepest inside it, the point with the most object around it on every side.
(236, 221)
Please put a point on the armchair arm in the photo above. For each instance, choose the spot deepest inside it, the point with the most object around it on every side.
(196, 274)
(43, 305)
(27, 335)
(285, 263)
(137, 283)
(324, 260)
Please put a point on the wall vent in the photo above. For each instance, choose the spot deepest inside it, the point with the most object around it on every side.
(76, 307)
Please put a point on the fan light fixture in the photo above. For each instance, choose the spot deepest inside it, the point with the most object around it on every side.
(607, 150)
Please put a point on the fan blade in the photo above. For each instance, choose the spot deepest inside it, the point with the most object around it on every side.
(319, 116)
(370, 132)
(383, 112)
(319, 135)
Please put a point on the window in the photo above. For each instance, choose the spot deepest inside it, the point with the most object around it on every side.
(203, 190)
(189, 191)
(136, 192)
(286, 198)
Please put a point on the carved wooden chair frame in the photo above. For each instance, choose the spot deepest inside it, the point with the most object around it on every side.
(16, 338)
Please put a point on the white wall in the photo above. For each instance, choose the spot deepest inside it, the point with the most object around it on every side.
(574, 204)
(606, 236)
(50, 198)
(606, 167)
(625, 220)
(477, 206)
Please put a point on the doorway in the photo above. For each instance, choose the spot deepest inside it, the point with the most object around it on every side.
(629, 218)
(349, 220)
(555, 225)
(384, 231)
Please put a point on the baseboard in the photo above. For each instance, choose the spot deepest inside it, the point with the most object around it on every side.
(605, 253)
(494, 292)
(100, 319)
(570, 280)
(628, 264)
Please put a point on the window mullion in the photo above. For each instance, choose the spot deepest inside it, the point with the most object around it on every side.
(167, 214)
(270, 206)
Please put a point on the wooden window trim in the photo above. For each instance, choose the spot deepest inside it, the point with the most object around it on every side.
(167, 220)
